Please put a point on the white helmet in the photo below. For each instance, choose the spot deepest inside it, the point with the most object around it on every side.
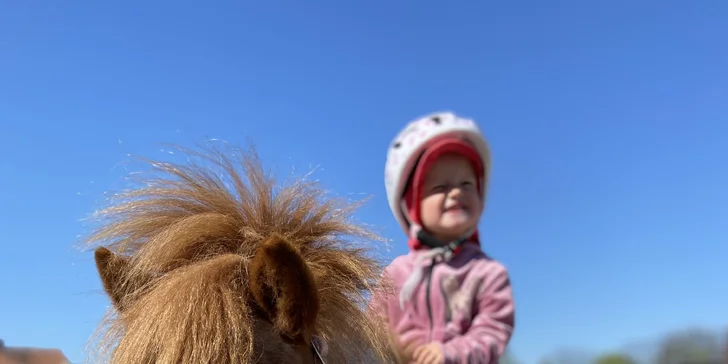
(409, 145)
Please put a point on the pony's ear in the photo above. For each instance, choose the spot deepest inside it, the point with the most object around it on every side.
(284, 287)
(111, 269)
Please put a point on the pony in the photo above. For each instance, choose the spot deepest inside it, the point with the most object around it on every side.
(217, 262)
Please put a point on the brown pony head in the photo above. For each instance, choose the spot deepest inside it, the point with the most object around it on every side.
(206, 266)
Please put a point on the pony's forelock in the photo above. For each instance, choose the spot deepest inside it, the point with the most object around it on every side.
(189, 233)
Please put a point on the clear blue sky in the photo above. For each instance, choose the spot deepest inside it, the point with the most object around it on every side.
(606, 120)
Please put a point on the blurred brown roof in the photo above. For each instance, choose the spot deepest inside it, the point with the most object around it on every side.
(12, 355)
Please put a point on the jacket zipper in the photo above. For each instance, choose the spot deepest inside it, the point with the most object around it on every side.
(427, 299)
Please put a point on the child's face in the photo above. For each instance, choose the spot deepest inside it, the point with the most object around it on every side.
(450, 205)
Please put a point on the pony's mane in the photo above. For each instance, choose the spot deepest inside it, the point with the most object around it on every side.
(189, 233)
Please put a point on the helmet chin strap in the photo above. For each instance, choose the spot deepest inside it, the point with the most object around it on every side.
(419, 233)
(430, 241)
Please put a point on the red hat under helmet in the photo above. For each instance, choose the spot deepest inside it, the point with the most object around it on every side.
(427, 159)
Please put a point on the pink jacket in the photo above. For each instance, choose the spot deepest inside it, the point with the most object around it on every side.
(465, 304)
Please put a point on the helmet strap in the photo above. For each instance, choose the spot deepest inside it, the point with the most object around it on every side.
(426, 239)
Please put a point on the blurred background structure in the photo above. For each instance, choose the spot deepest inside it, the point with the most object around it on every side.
(25, 355)
(688, 346)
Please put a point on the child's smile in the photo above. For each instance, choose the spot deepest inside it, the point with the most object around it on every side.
(455, 206)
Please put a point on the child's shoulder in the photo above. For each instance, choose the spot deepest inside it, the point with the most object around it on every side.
(486, 264)
(399, 262)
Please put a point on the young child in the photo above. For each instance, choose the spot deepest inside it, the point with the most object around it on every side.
(454, 303)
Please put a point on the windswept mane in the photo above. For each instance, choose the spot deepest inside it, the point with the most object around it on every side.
(187, 236)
